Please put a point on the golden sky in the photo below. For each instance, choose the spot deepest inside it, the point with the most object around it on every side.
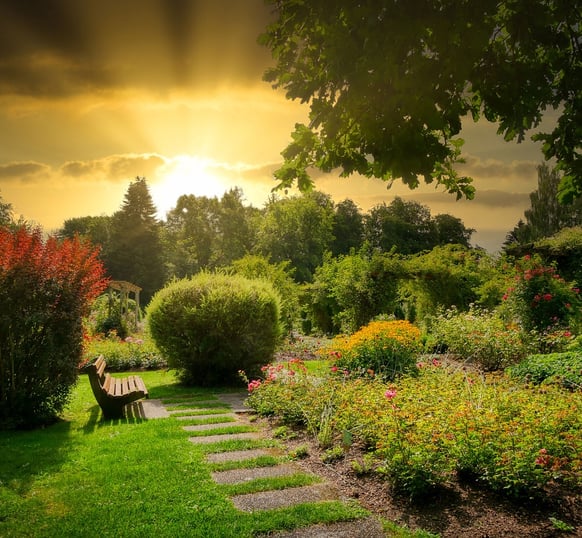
(96, 92)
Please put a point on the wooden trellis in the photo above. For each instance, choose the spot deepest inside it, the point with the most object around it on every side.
(124, 288)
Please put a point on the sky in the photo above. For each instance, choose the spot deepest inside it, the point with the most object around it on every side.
(96, 92)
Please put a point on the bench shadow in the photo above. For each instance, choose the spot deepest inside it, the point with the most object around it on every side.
(133, 414)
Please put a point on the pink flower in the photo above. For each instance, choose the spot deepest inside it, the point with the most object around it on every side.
(255, 384)
(390, 393)
(334, 369)
(436, 362)
(547, 297)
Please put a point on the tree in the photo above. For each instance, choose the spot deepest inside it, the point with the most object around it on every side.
(6, 215)
(546, 216)
(451, 230)
(298, 229)
(204, 233)
(388, 83)
(237, 227)
(348, 228)
(95, 229)
(406, 226)
(135, 252)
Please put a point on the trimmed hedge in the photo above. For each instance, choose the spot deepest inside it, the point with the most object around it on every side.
(211, 326)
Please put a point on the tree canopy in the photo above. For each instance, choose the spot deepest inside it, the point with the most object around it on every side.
(389, 83)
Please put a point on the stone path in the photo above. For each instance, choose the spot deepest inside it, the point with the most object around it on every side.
(232, 417)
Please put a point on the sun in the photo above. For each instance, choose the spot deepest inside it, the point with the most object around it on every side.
(184, 174)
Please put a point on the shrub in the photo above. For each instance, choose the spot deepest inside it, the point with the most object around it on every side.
(280, 275)
(45, 291)
(211, 326)
(349, 291)
(480, 337)
(125, 354)
(424, 429)
(540, 299)
(382, 348)
(560, 368)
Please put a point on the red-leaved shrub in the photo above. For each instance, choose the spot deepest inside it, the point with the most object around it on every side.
(46, 288)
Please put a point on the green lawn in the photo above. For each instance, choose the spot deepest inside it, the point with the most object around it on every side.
(129, 477)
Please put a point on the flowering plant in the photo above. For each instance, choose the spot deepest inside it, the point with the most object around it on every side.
(540, 299)
(381, 348)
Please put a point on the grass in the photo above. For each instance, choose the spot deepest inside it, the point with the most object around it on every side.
(84, 477)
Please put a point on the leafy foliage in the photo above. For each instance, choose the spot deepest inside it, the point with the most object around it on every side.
(385, 349)
(123, 354)
(546, 216)
(424, 430)
(560, 368)
(479, 337)
(447, 276)
(540, 299)
(211, 326)
(280, 276)
(45, 290)
(134, 252)
(388, 84)
(298, 229)
(348, 291)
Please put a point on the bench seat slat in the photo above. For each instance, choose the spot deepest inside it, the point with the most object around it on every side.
(113, 393)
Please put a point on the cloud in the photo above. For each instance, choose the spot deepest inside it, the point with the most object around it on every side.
(60, 48)
(25, 171)
(515, 175)
(115, 167)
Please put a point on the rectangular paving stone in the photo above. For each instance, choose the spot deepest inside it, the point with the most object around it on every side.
(207, 439)
(204, 427)
(204, 417)
(237, 455)
(270, 500)
(239, 476)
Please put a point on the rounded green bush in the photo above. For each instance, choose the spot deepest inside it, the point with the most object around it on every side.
(211, 326)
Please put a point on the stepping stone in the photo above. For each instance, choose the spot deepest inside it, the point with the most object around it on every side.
(204, 427)
(196, 404)
(237, 455)
(269, 500)
(147, 409)
(368, 527)
(207, 439)
(235, 400)
(204, 417)
(240, 476)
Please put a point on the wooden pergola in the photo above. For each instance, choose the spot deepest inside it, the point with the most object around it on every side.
(124, 288)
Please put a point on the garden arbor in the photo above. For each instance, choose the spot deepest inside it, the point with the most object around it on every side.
(124, 288)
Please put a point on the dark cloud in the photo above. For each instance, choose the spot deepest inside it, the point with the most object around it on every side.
(23, 171)
(62, 47)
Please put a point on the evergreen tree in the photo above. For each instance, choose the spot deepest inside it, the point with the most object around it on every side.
(135, 252)
(546, 215)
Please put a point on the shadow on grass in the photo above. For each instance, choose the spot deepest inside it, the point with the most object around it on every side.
(134, 414)
(27, 455)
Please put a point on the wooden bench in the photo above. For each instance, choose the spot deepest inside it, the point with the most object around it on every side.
(113, 393)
